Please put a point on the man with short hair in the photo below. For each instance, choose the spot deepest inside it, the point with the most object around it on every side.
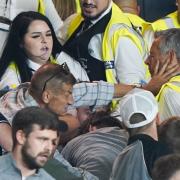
(35, 134)
(167, 168)
(169, 133)
(51, 87)
(96, 150)
(128, 6)
(132, 10)
(103, 40)
(139, 113)
(166, 48)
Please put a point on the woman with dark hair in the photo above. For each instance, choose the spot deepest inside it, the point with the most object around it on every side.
(31, 43)
(9, 9)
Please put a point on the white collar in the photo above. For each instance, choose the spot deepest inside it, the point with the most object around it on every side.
(103, 14)
(33, 65)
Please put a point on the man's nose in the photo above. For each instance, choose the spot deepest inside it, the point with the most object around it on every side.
(49, 146)
(147, 61)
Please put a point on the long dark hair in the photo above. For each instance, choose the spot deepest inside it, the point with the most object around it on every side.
(13, 50)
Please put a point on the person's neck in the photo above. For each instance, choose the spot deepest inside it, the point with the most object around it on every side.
(25, 171)
(38, 61)
(33, 65)
(151, 131)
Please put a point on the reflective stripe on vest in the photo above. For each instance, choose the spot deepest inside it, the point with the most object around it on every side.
(41, 7)
(53, 60)
(170, 21)
(74, 24)
(138, 21)
(14, 67)
(78, 7)
(111, 38)
(170, 85)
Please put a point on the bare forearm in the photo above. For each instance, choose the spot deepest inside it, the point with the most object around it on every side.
(154, 88)
(71, 121)
(121, 89)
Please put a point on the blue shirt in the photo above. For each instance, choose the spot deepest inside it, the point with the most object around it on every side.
(9, 170)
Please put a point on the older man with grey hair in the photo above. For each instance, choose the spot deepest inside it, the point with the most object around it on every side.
(166, 47)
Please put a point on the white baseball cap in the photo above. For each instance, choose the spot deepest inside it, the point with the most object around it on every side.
(138, 101)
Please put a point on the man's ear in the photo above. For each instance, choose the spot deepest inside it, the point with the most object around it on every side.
(46, 96)
(20, 136)
(172, 57)
(158, 119)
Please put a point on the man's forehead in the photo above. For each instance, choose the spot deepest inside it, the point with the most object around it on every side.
(152, 48)
(155, 44)
(66, 87)
(36, 129)
(62, 88)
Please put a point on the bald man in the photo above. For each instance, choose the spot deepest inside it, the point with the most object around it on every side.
(128, 6)
(132, 10)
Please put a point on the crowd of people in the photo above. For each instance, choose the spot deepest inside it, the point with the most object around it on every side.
(89, 94)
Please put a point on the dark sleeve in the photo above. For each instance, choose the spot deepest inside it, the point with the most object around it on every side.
(3, 119)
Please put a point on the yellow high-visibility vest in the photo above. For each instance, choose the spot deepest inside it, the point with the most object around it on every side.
(138, 21)
(41, 7)
(109, 44)
(78, 7)
(170, 85)
(14, 68)
(170, 21)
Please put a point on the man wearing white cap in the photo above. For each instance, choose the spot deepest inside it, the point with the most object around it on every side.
(139, 113)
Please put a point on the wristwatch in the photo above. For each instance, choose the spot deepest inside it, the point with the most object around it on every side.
(137, 85)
